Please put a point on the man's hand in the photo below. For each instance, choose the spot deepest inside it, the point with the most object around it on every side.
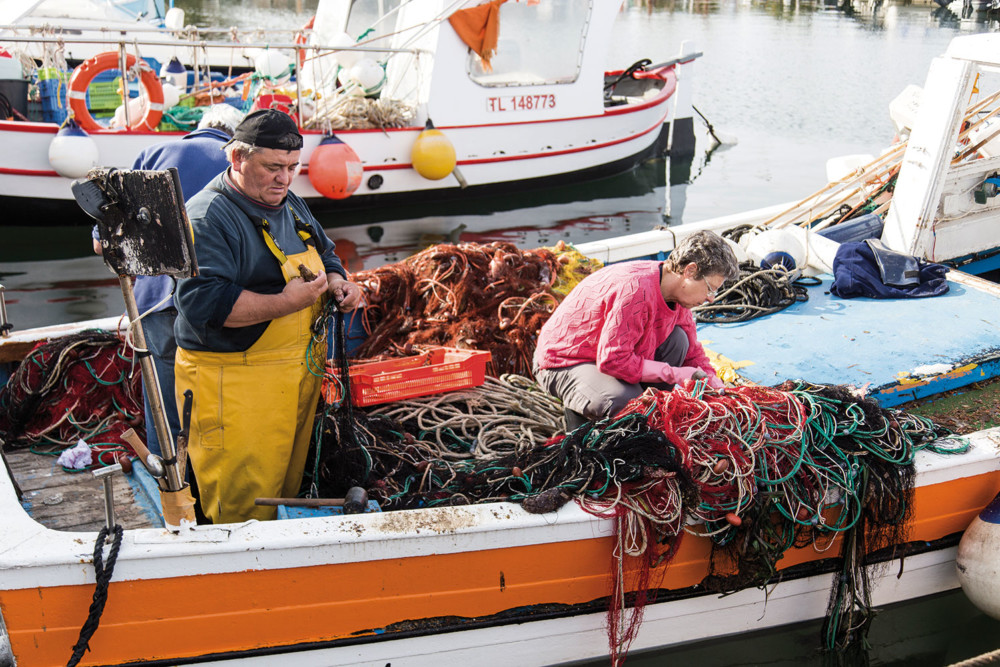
(346, 294)
(300, 293)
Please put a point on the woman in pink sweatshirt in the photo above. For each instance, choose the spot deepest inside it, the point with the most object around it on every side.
(630, 325)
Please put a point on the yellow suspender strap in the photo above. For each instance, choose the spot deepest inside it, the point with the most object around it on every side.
(272, 244)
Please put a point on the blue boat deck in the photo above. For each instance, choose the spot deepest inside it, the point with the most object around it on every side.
(900, 349)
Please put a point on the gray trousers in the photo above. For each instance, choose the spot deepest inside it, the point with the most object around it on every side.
(593, 394)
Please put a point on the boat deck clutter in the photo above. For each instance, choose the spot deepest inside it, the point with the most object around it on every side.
(756, 470)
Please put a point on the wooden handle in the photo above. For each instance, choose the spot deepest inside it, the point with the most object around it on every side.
(138, 445)
(301, 502)
(182, 455)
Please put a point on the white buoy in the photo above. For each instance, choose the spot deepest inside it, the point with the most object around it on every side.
(978, 560)
(367, 75)
(171, 96)
(346, 59)
(274, 66)
(174, 19)
(72, 152)
(741, 254)
(776, 246)
(175, 73)
(136, 109)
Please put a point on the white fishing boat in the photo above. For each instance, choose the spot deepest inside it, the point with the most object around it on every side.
(89, 19)
(538, 108)
(933, 193)
(490, 583)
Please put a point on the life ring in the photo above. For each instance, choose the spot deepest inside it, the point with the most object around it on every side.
(84, 75)
(301, 40)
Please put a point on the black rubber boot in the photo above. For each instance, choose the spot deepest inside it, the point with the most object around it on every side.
(573, 419)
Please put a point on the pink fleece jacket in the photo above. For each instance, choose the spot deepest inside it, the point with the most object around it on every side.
(615, 318)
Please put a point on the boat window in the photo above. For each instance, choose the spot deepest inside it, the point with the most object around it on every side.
(538, 43)
(141, 9)
(372, 18)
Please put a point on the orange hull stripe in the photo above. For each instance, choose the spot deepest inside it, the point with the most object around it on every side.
(204, 614)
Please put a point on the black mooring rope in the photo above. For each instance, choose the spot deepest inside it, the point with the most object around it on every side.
(100, 592)
(754, 293)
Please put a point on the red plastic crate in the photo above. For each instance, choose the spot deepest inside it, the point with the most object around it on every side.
(434, 371)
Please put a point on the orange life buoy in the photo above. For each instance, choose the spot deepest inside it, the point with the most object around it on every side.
(84, 75)
(301, 40)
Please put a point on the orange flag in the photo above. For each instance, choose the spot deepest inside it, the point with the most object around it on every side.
(479, 28)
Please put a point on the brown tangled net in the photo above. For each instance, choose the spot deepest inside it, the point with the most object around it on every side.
(470, 296)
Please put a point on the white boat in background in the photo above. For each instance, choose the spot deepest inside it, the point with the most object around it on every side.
(544, 110)
(93, 26)
(933, 194)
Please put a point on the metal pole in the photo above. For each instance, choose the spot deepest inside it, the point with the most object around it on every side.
(5, 326)
(123, 64)
(106, 475)
(152, 385)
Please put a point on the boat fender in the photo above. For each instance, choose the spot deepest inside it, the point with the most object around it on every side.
(778, 258)
(978, 560)
(174, 73)
(335, 170)
(89, 69)
(174, 19)
(433, 155)
(741, 254)
(72, 152)
(273, 67)
(136, 108)
(780, 245)
(171, 95)
(366, 76)
(345, 59)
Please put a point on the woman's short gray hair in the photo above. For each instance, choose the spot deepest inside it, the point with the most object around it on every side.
(709, 251)
(244, 150)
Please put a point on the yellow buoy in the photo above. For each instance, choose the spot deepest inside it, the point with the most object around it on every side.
(433, 156)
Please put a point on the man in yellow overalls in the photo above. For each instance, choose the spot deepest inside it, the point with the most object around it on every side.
(244, 323)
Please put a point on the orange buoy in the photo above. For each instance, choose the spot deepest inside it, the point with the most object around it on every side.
(734, 519)
(335, 170)
(89, 69)
(347, 251)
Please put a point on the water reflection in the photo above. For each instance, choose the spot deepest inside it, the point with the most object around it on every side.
(621, 204)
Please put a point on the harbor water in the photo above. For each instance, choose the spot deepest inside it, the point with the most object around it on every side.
(785, 85)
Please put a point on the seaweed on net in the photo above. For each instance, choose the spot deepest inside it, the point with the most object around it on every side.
(484, 296)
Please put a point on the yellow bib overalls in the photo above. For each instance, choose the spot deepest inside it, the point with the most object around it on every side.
(253, 412)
